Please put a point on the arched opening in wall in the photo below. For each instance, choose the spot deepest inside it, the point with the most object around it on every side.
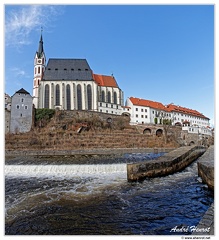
(89, 97)
(109, 97)
(79, 97)
(178, 124)
(57, 95)
(147, 131)
(126, 114)
(103, 96)
(159, 132)
(191, 143)
(115, 97)
(46, 96)
(68, 97)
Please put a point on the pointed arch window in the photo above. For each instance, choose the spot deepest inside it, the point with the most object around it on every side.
(68, 97)
(109, 97)
(79, 97)
(115, 97)
(57, 95)
(103, 96)
(89, 97)
(46, 97)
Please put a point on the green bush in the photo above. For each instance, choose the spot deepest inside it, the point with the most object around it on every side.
(44, 113)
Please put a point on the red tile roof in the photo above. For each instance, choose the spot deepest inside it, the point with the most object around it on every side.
(147, 103)
(106, 81)
(168, 108)
(174, 108)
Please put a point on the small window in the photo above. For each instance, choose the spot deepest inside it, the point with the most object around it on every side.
(146, 116)
(145, 110)
(49, 68)
(26, 107)
(72, 69)
(21, 115)
(142, 110)
(56, 69)
(106, 105)
(22, 100)
(79, 69)
(86, 69)
(100, 104)
(18, 106)
(142, 116)
(136, 115)
(65, 69)
(111, 105)
(136, 109)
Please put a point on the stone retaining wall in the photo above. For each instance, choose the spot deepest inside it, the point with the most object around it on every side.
(102, 151)
(206, 167)
(172, 162)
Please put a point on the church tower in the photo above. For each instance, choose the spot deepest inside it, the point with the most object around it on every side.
(39, 68)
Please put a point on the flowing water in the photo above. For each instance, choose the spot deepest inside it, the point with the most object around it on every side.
(49, 198)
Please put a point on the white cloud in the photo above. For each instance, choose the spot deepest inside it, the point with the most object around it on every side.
(19, 72)
(27, 18)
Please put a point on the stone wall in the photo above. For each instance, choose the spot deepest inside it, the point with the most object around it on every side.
(170, 163)
(206, 167)
(175, 133)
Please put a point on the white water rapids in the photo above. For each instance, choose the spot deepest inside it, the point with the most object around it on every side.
(62, 170)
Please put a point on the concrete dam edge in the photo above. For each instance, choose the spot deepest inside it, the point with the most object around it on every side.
(170, 163)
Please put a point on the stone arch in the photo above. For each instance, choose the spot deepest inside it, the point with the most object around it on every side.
(191, 143)
(126, 114)
(159, 132)
(147, 131)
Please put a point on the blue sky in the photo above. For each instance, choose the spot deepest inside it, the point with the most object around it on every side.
(163, 53)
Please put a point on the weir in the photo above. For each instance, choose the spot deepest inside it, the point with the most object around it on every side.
(170, 163)
(71, 170)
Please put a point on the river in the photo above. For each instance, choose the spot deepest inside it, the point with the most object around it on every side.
(61, 198)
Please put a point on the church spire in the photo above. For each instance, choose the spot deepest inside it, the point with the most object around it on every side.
(40, 49)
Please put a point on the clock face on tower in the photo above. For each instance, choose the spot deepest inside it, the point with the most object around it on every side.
(39, 61)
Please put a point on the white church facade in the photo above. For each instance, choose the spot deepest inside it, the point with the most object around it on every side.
(70, 84)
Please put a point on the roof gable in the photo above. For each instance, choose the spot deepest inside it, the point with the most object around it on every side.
(105, 81)
(22, 91)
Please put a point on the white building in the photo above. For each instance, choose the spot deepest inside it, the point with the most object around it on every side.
(70, 84)
(150, 112)
(146, 112)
